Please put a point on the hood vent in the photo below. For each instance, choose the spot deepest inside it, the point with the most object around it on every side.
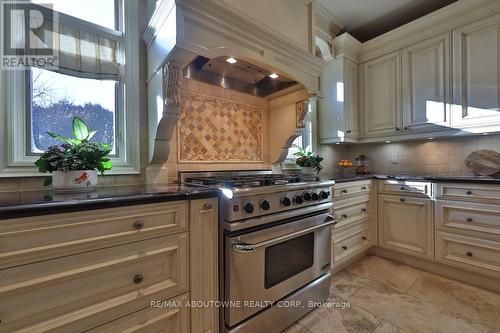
(240, 76)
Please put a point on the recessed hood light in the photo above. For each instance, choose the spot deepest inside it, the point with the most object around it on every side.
(231, 60)
(274, 76)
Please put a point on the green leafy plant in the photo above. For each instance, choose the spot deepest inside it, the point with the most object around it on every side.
(308, 159)
(76, 153)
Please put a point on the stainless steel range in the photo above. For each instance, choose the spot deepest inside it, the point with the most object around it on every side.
(275, 246)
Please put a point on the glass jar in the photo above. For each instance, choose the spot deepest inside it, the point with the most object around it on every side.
(362, 165)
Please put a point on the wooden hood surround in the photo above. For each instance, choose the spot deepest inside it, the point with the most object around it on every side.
(178, 31)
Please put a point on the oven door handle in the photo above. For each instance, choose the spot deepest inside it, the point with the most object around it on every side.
(242, 247)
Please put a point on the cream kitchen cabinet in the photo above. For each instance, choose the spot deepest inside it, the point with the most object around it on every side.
(338, 109)
(204, 271)
(382, 96)
(476, 64)
(426, 88)
(405, 224)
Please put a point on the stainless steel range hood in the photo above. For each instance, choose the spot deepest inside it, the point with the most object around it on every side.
(237, 75)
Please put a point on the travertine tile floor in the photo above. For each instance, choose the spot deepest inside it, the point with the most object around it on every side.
(388, 297)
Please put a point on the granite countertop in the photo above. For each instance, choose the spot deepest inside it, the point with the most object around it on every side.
(28, 203)
(436, 179)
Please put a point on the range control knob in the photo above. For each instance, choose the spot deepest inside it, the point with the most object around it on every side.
(248, 208)
(265, 205)
(306, 196)
(285, 201)
(324, 195)
(314, 196)
(298, 199)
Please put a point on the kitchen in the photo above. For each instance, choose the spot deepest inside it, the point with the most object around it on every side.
(234, 166)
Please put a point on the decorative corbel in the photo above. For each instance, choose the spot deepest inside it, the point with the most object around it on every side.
(172, 75)
(301, 109)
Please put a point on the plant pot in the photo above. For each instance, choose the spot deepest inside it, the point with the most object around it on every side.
(309, 171)
(74, 181)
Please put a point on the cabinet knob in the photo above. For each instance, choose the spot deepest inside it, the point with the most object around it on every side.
(348, 131)
(363, 188)
(469, 254)
(398, 129)
(138, 225)
(469, 219)
(469, 192)
(344, 247)
(138, 278)
(207, 206)
(402, 188)
(344, 216)
(344, 191)
(363, 238)
(402, 199)
(363, 210)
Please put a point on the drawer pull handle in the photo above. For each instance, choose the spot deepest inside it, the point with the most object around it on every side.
(363, 237)
(469, 192)
(138, 278)
(469, 219)
(348, 131)
(363, 188)
(138, 225)
(402, 199)
(402, 188)
(469, 254)
(207, 206)
(363, 210)
(344, 191)
(344, 247)
(344, 216)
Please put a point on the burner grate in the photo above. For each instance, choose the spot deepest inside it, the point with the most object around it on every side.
(250, 181)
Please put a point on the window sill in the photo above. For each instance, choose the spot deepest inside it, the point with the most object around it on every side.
(24, 171)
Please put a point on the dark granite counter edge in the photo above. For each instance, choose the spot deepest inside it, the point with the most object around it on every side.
(435, 179)
(57, 207)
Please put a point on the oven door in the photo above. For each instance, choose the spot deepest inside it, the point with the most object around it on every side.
(266, 265)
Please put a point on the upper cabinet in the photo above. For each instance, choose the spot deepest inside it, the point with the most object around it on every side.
(382, 95)
(425, 70)
(476, 78)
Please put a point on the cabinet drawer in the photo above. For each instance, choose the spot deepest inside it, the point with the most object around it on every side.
(421, 189)
(468, 216)
(351, 188)
(470, 253)
(27, 240)
(352, 244)
(469, 192)
(159, 320)
(350, 214)
(74, 293)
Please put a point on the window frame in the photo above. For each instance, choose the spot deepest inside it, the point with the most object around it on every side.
(16, 159)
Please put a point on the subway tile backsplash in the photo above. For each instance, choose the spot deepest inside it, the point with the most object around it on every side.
(439, 157)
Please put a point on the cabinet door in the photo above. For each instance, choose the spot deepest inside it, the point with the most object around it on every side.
(351, 99)
(405, 225)
(204, 271)
(382, 91)
(425, 85)
(476, 79)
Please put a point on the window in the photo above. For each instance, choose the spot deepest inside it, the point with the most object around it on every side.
(92, 81)
(57, 98)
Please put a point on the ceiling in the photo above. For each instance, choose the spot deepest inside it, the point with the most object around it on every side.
(367, 19)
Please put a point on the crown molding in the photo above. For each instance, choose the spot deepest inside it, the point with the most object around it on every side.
(158, 18)
(347, 46)
(327, 25)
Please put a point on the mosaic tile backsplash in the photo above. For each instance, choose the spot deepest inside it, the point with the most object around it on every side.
(216, 129)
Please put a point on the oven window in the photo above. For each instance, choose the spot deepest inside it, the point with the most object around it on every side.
(288, 258)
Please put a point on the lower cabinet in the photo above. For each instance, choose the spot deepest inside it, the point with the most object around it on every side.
(160, 319)
(204, 268)
(405, 224)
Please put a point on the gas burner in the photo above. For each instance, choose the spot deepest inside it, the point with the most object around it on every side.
(245, 181)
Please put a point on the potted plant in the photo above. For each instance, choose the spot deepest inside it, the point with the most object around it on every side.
(74, 164)
(309, 161)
